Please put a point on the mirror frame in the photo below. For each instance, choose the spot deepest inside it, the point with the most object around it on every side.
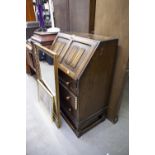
(56, 108)
(42, 86)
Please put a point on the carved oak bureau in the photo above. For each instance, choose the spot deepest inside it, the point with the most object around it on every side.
(86, 66)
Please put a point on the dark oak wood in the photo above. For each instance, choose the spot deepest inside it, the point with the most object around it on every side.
(92, 10)
(85, 79)
(86, 66)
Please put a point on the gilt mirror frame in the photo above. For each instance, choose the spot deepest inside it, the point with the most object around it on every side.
(56, 105)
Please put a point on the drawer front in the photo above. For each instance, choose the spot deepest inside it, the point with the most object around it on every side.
(69, 111)
(71, 84)
(68, 98)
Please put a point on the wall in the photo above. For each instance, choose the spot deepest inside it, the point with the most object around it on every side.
(112, 19)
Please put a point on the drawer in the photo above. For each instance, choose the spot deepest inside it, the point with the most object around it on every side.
(67, 97)
(69, 111)
(71, 84)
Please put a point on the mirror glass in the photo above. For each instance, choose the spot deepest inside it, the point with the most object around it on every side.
(47, 72)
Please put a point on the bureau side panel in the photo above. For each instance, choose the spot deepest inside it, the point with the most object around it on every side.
(94, 84)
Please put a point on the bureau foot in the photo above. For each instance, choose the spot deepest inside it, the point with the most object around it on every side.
(90, 126)
(85, 125)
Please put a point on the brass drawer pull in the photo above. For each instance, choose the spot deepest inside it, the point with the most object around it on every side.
(68, 97)
(76, 103)
(67, 83)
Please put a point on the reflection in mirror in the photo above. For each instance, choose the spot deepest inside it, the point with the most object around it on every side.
(47, 77)
(47, 73)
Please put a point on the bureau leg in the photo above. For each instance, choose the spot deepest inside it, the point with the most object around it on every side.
(78, 134)
(115, 120)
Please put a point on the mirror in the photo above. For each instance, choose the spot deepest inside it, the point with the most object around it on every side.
(47, 79)
(47, 72)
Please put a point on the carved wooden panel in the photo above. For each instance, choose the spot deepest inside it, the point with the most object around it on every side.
(60, 45)
(78, 55)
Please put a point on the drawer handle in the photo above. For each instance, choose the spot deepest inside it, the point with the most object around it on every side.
(69, 109)
(67, 83)
(76, 103)
(68, 97)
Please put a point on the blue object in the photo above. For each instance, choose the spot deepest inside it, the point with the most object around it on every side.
(49, 60)
(42, 56)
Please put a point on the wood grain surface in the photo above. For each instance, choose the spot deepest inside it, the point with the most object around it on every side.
(112, 19)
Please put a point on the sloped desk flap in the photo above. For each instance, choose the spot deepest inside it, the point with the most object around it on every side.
(60, 45)
(77, 56)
